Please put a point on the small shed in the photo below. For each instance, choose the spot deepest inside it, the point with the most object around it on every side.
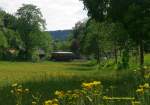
(62, 56)
(41, 53)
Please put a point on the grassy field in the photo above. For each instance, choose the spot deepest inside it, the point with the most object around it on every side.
(19, 72)
(12, 72)
(46, 77)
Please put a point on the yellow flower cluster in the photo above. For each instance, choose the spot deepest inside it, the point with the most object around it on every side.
(142, 88)
(136, 103)
(59, 93)
(52, 102)
(17, 89)
(90, 93)
(91, 84)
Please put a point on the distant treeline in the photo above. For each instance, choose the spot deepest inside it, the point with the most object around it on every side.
(60, 34)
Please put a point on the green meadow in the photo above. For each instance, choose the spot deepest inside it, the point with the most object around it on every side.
(44, 78)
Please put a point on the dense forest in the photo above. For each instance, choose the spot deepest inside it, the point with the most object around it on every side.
(23, 36)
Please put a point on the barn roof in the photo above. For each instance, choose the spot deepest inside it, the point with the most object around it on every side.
(62, 52)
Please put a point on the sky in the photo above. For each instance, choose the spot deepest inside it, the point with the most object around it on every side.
(59, 14)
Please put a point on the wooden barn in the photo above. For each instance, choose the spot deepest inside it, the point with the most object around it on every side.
(62, 56)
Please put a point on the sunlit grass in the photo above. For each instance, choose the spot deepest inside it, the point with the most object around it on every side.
(147, 59)
(47, 77)
(11, 72)
(26, 71)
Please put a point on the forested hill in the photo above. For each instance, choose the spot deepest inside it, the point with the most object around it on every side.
(60, 34)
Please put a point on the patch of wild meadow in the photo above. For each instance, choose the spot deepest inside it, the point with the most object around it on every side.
(121, 89)
(90, 93)
(72, 83)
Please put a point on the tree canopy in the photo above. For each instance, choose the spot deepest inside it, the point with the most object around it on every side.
(24, 33)
(133, 15)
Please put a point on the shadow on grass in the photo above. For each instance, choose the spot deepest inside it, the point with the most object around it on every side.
(84, 64)
(81, 69)
(88, 66)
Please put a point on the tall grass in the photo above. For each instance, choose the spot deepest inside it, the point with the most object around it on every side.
(44, 78)
(124, 85)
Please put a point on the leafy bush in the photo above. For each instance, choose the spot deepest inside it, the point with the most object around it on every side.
(125, 59)
(35, 55)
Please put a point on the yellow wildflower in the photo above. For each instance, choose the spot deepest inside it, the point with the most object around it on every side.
(135, 103)
(90, 85)
(141, 90)
(55, 100)
(59, 93)
(48, 102)
(87, 85)
(146, 85)
(96, 83)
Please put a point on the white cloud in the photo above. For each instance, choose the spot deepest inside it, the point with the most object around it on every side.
(59, 14)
